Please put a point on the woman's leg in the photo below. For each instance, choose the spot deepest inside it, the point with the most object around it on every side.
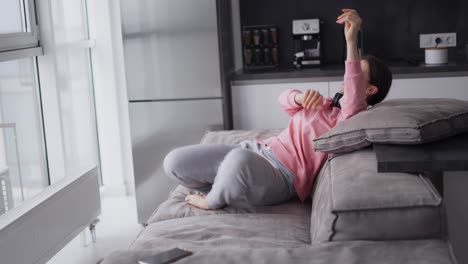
(196, 166)
(245, 178)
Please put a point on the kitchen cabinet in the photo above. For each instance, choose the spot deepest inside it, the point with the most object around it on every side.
(255, 106)
(334, 87)
(450, 87)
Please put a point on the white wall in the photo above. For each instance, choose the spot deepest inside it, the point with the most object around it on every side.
(124, 124)
(111, 96)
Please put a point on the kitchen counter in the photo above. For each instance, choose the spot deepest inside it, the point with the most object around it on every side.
(336, 72)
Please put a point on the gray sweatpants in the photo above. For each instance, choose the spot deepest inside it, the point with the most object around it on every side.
(240, 175)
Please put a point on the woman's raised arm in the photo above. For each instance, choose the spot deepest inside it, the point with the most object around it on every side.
(354, 94)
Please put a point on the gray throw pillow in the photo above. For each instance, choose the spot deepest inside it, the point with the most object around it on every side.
(399, 121)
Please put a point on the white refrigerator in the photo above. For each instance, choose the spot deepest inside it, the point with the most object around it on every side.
(178, 60)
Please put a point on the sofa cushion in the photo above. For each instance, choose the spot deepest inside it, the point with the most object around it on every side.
(353, 201)
(226, 231)
(402, 121)
(177, 207)
(353, 252)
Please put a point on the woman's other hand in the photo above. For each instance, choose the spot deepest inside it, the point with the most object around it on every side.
(310, 99)
(352, 22)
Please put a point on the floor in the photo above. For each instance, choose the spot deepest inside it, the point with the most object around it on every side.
(117, 228)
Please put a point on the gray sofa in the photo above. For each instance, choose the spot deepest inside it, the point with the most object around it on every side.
(355, 215)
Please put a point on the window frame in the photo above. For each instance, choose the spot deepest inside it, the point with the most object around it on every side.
(56, 208)
(23, 40)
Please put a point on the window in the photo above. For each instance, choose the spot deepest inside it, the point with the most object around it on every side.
(23, 161)
(22, 154)
(48, 136)
(47, 114)
(18, 29)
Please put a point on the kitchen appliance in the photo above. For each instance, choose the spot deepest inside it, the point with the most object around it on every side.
(178, 64)
(260, 46)
(436, 47)
(307, 43)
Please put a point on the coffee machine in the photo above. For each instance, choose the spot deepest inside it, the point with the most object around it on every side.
(307, 43)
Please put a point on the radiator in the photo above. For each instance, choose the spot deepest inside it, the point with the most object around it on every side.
(6, 194)
(37, 229)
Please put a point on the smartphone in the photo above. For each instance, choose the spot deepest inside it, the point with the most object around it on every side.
(336, 100)
(166, 257)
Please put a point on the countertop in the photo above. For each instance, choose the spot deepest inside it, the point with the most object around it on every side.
(335, 73)
(445, 155)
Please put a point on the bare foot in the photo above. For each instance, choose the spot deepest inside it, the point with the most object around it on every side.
(197, 201)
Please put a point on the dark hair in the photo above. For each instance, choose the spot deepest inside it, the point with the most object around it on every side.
(380, 76)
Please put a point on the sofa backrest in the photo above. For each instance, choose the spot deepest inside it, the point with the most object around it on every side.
(352, 201)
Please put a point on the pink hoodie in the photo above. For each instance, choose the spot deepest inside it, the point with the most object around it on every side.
(294, 146)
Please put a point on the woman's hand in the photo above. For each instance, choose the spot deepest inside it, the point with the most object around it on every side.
(352, 22)
(310, 99)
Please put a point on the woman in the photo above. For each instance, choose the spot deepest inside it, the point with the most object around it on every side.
(271, 171)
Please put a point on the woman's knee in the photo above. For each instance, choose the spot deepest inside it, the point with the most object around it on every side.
(173, 162)
(183, 165)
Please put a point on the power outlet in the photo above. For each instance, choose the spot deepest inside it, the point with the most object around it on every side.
(440, 40)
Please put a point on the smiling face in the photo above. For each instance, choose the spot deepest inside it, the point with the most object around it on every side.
(370, 89)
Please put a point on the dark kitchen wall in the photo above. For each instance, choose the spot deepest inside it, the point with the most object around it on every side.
(391, 28)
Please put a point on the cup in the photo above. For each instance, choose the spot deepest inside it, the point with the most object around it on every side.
(256, 37)
(266, 37)
(247, 37)
(274, 35)
(267, 56)
(248, 56)
(275, 56)
(258, 56)
(466, 50)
